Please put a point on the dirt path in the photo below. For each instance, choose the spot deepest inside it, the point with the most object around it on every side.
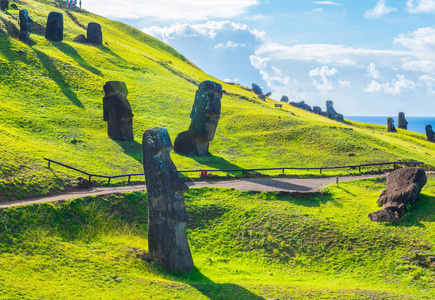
(298, 185)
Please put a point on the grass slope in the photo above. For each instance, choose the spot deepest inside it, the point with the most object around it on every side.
(52, 107)
(245, 246)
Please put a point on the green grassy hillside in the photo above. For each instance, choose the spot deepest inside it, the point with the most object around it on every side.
(51, 106)
(244, 245)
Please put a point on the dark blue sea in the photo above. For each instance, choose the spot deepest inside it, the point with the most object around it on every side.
(416, 124)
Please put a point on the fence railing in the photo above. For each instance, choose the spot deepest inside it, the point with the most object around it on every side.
(205, 171)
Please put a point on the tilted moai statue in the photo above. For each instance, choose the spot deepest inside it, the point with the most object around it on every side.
(390, 125)
(331, 113)
(54, 31)
(317, 110)
(4, 5)
(26, 25)
(402, 123)
(117, 111)
(205, 115)
(430, 134)
(94, 34)
(167, 215)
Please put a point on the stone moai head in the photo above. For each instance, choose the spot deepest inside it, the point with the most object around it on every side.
(430, 134)
(402, 123)
(25, 26)
(317, 110)
(284, 98)
(117, 111)
(94, 34)
(390, 125)
(54, 31)
(206, 110)
(167, 216)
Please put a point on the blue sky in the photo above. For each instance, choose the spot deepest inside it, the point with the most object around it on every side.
(371, 57)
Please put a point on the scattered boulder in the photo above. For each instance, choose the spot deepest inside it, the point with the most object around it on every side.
(403, 188)
(83, 183)
(25, 26)
(54, 30)
(94, 34)
(402, 123)
(390, 125)
(14, 6)
(4, 5)
(205, 116)
(167, 215)
(331, 113)
(301, 105)
(317, 110)
(430, 134)
(117, 111)
(80, 38)
(257, 89)
(284, 99)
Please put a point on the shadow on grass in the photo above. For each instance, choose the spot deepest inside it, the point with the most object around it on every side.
(110, 52)
(309, 199)
(132, 149)
(215, 162)
(57, 77)
(423, 210)
(71, 52)
(214, 291)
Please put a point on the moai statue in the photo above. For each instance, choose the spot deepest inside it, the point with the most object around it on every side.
(117, 111)
(390, 125)
(317, 110)
(284, 99)
(26, 25)
(257, 89)
(430, 134)
(205, 115)
(331, 113)
(54, 31)
(402, 123)
(94, 34)
(4, 5)
(167, 215)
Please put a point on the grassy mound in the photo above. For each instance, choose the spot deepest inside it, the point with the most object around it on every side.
(245, 246)
(52, 107)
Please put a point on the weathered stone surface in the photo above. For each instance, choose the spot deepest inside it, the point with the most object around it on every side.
(54, 30)
(268, 94)
(403, 188)
(167, 216)
(26, 25)
(262, 97)
(80, 38)
(117, 111)
(284, 99)
(4, 5)
(402, 123)
(331, 113)
(205, 116)
(430, 134)
(94, 34)
(317, 110)
(14, 6)
(257, 89)
(301, 105)
(390, 125)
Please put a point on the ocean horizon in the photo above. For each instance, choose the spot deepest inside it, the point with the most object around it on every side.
(415, 124)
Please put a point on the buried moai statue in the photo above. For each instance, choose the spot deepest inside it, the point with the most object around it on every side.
(205, 115)
(167, 215)
(25, 26)
(117, 111)
(402, 123)
(430, 134)
(390, 125)
(403, 188)
(331, 113)
(94, 34)
(54, 31)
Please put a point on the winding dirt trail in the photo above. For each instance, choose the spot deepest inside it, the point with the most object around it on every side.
(295, 185)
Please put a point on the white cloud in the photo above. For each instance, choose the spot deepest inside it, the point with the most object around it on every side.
(425, 66)
(380, 9)
(345, 83)
(228, 44)
(373, 72)
(235, 80)
(328, 3)
(270, 74)
(395, 88)
(421, 41)
(323, 78)
(429, 83)
(209, 29)
(186, 10)
(421, 6)
(325, 53)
